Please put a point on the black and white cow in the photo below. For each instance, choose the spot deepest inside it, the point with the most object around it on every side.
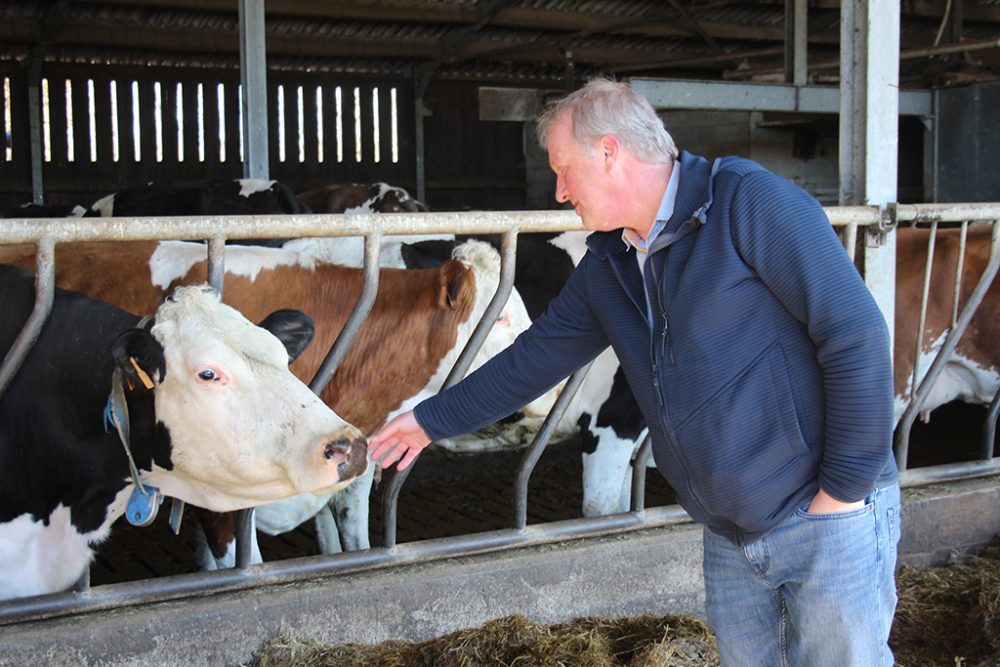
(360, 198)
(244, 196)
(31, 210)
(216, 419)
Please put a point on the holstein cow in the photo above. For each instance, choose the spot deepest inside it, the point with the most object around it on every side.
(972, 374)
(418, 325)
(360, 198)
(30, 210)
(224, 197)
(214, 418)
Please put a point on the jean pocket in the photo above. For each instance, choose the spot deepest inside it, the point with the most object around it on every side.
(804, 513)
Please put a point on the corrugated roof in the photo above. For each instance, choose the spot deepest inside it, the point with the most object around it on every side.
(498, 40)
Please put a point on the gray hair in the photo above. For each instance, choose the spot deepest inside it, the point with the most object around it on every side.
(603, 107)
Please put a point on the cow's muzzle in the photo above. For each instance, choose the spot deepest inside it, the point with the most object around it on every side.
(351, 456)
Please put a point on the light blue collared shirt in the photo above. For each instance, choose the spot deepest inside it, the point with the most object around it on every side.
(633, 240)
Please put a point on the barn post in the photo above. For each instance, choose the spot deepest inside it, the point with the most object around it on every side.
(796, 41)
(869, 132)
(35, 123)
(253, 76)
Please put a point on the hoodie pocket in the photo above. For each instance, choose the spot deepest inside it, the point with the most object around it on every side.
(744, 443)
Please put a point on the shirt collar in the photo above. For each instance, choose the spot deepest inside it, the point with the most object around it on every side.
(631, 237)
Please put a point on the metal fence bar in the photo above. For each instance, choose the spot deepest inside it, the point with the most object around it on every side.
(508, 256)
(902, 439)
(112, 596)
(44, 298)
(639, 465)
(534, 452)
(356, 319)
(48, 232)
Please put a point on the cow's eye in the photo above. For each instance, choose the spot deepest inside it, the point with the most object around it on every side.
(208, 375)
(504, 319)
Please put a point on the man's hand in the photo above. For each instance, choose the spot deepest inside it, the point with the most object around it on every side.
(824, 503)
(401, 437)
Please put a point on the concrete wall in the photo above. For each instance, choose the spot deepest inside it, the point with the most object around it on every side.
(656, 571)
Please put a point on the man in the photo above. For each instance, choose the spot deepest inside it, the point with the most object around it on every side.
(759, 360)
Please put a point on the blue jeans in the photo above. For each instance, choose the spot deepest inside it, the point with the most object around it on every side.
(818, 590)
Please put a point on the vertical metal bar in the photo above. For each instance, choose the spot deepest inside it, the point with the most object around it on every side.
(851, 239)
(253, 74)
(922, 320)
(851, 82)
(35, 124)
(44, 298)
(639, 465)
(530, 458)
(990, 427)
(244, 538)
(373, 243)
(508, 260)
(959, 265)
(796, 41)
(217, 263)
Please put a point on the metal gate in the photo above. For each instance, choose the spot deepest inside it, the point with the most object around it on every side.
(45, 234)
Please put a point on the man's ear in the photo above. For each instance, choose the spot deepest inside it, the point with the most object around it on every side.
(610, 148)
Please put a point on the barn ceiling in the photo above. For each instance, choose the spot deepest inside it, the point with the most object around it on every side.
(527, 41)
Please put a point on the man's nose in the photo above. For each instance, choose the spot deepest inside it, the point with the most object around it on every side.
(562, 194)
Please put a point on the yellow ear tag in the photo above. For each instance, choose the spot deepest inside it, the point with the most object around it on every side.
(146, 382)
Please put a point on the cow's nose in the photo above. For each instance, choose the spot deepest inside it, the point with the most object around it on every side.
(351, 456)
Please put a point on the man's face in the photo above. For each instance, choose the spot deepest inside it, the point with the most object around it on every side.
(582, 177)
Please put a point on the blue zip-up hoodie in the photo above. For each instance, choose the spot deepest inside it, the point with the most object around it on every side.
(764, 374)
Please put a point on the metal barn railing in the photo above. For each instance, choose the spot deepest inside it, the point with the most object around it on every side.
(45, 234)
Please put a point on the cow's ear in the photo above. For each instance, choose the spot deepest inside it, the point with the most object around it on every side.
(140, 356)
(457, 284)
(293, 328)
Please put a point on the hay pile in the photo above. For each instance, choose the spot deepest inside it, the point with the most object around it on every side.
(947, 617)
(950, 615)
(639, 641)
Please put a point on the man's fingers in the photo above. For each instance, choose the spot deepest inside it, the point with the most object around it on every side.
(392, 456)
(411, 454)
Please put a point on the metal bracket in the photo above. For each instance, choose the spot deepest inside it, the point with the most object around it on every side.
(888, 219)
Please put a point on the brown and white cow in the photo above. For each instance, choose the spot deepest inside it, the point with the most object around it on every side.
(419, 323)
(360, 198)
(972, 374)
(215, 419)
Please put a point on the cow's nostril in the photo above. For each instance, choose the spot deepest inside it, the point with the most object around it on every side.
(351, 456)
(339, 447)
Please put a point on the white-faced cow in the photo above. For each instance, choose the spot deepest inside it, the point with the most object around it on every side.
(972, 374)
(360, 198)
(215, 419)
(418, 325)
